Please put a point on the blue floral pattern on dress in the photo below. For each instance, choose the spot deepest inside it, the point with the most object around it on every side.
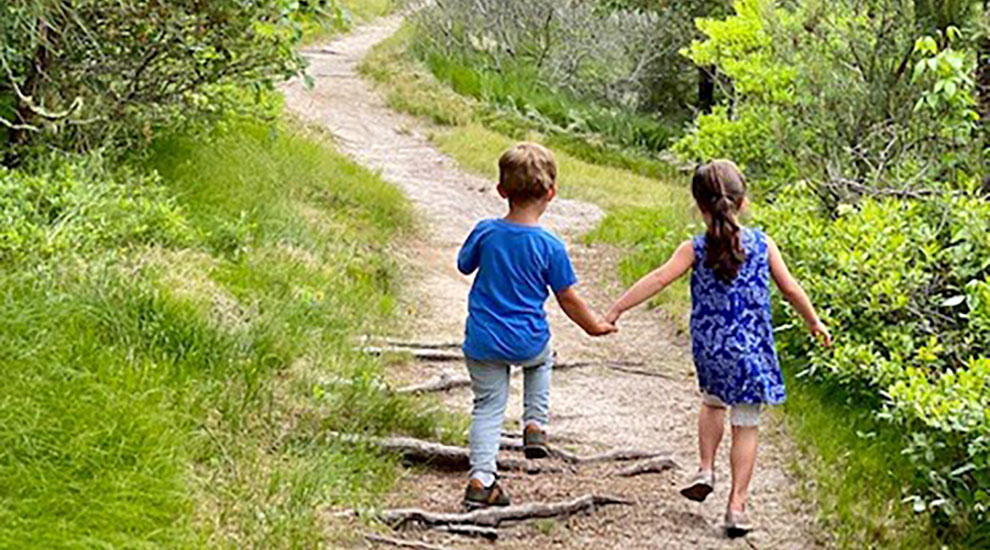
(731, 327)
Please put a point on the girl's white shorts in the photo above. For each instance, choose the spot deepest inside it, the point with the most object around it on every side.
(741, 414)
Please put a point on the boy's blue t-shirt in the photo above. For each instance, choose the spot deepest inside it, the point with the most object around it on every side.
(516, 265)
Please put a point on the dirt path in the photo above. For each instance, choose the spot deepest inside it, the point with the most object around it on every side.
(592, 409)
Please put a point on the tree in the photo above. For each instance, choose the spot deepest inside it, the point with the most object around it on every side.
(75, 73)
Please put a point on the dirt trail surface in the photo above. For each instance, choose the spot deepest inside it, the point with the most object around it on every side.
(593, 409)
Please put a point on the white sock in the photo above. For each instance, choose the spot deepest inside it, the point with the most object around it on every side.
(486, 478)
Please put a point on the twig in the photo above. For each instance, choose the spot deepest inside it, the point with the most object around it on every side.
(640, 372)
(474, 531)
(655, 466)
(615, 455)
(492, 517)
(420, 354)
(417, 545)
(399, 343)
(442, 383)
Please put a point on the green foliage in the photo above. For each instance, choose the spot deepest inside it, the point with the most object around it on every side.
(826, 89)
(83, 205)
(86, 71)
(163, 374)
(901, 284)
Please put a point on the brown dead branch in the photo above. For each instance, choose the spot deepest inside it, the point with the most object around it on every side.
(415, 544)
(615, 455)
(440, 456)
(442, 383)
(424, 354)
(655, 466)
(492, 517)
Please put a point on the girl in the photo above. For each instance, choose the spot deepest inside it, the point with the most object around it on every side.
(731, 331)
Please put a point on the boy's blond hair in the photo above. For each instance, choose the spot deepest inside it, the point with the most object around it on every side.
(527, 172)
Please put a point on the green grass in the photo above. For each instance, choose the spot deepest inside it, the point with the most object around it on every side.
(178, 395)
(861, 475)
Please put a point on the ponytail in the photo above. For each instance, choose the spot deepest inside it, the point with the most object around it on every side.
(719, 189)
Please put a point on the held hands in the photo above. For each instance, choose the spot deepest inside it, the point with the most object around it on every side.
(612, 316)
(601, 328)
(820, 331)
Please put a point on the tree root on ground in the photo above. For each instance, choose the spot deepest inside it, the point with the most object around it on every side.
(492, 517)
(414, 544)
(440, 456)
(655, 466)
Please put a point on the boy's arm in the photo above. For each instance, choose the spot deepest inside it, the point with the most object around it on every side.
(469, 256)
(578, 311)
(792, 290)
(677, 265)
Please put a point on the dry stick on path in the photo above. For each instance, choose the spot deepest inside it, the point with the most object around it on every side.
(415, 544)
(655, 466)
(438, 455)
(492, 517)
(616, 455)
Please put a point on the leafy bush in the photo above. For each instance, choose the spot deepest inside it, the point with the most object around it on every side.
(838, 94)
(583, 68)
(904, 285)
(81, 72)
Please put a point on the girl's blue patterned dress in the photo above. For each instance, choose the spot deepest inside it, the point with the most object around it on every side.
(731, 328)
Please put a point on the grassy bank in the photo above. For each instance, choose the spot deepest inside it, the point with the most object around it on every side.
(859, 475)
(176, 347)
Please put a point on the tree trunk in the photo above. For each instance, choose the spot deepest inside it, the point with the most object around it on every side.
(38, 67)
(706, 89)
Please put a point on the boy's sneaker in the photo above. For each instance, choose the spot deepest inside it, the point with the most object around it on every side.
(535, 442)
(700, 486)
(478, 496)
(737, 524)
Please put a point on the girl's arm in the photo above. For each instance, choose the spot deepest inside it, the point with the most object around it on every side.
(792, 290)
(648, 286)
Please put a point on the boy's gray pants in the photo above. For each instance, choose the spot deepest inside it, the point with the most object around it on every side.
(490, 383)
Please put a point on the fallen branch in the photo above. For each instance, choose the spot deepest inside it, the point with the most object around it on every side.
(442, 383)
(640, 372)
(565, 365)
(616, 455)
(476, 531)
(438, 455)
(417, 545)
(654, 466)
(492, 517)
(417, 353)
(395, 342)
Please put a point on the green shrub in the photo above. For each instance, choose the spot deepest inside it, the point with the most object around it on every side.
(903, 283)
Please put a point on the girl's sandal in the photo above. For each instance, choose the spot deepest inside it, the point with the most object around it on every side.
(700, 486)
(737, 524)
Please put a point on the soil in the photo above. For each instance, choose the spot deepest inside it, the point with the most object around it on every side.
(594, 408)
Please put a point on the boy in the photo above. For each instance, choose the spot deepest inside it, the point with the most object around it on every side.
(517, 261)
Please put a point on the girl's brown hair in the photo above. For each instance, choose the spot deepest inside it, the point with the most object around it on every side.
(719, 188)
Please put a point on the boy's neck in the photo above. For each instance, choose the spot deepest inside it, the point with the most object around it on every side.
(526, 214)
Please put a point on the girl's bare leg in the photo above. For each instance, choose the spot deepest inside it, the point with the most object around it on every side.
(743, 457)
(711, 427)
